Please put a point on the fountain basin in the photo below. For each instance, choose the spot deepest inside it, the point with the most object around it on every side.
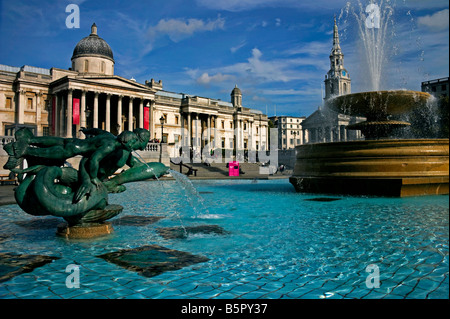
(398, 168)
(378, 103)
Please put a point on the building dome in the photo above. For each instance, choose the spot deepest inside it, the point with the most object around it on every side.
(236, 97)
(93, 55)
(236, 90)
(93, 45)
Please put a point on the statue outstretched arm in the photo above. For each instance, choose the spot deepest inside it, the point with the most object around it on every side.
(134, 161)
(95, 131)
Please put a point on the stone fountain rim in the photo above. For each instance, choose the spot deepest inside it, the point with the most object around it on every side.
(358, 104)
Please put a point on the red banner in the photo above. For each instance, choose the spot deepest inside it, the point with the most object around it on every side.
(54, 116)
(146, 118)
(76, 111)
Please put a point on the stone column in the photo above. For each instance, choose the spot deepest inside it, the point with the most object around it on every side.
(189, 129)
(119, 114)
(38, 113)
(83, 111)
(208, 131)
(196, 131)
(151, 120)
(236, 134)
(69, 114)
(216, 122)
(62, 115)
(108, 113)
(130, 114)
(20, 106)
(241, 123)
(95, 120)
(57, 107)
(250, 136)
(141, 113)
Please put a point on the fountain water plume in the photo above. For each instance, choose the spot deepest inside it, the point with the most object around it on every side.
(373, 22)
(192, 195)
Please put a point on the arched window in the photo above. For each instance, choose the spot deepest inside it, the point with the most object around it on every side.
(103, 67)
(345, 88)
(86, 66)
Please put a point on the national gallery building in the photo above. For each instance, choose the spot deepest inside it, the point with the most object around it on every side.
(59, 102)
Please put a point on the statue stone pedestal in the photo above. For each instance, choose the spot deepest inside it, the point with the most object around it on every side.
(84, 231)
(91, 225)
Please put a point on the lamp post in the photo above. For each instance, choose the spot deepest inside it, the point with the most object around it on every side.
(161, 120)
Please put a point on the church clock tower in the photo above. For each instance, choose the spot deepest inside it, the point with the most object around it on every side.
(337, 80)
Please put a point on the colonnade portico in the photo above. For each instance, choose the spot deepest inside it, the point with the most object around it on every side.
(325, 134)
(199, 129)
(112, 112)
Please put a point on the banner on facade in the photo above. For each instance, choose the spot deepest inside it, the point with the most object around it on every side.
(146, 118)
(76, 111)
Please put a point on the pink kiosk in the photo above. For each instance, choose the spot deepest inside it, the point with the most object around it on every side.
(233, 168)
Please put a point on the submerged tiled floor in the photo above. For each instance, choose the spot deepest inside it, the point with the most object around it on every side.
(304, 249)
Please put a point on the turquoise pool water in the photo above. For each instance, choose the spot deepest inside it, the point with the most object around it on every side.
(235, 239)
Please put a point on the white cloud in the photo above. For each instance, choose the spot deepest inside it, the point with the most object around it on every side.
(206, 79)
(179, 29)
(259, 70)
(237, 47)
(313, 48)
(435, 22)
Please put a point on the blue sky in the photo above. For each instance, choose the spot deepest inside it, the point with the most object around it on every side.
(276, 51)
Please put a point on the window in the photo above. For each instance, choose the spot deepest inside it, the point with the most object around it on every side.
(8, 103)
(231, 125)
(165, 118)
(223, 141)
(176, 119)
(291, 141)
(245, 126)
(257, 130)
(86, 65)
(30, 103)
(47, 105)
(223, 127)
(45, 131)
(103, 67)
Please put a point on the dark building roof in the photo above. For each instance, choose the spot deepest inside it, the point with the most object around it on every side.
(93, 45)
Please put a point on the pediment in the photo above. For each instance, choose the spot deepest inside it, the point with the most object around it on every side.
(118, 82)
(320, 118)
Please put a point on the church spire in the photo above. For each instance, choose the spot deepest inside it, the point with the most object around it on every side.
(337, 80)
(336, 46)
